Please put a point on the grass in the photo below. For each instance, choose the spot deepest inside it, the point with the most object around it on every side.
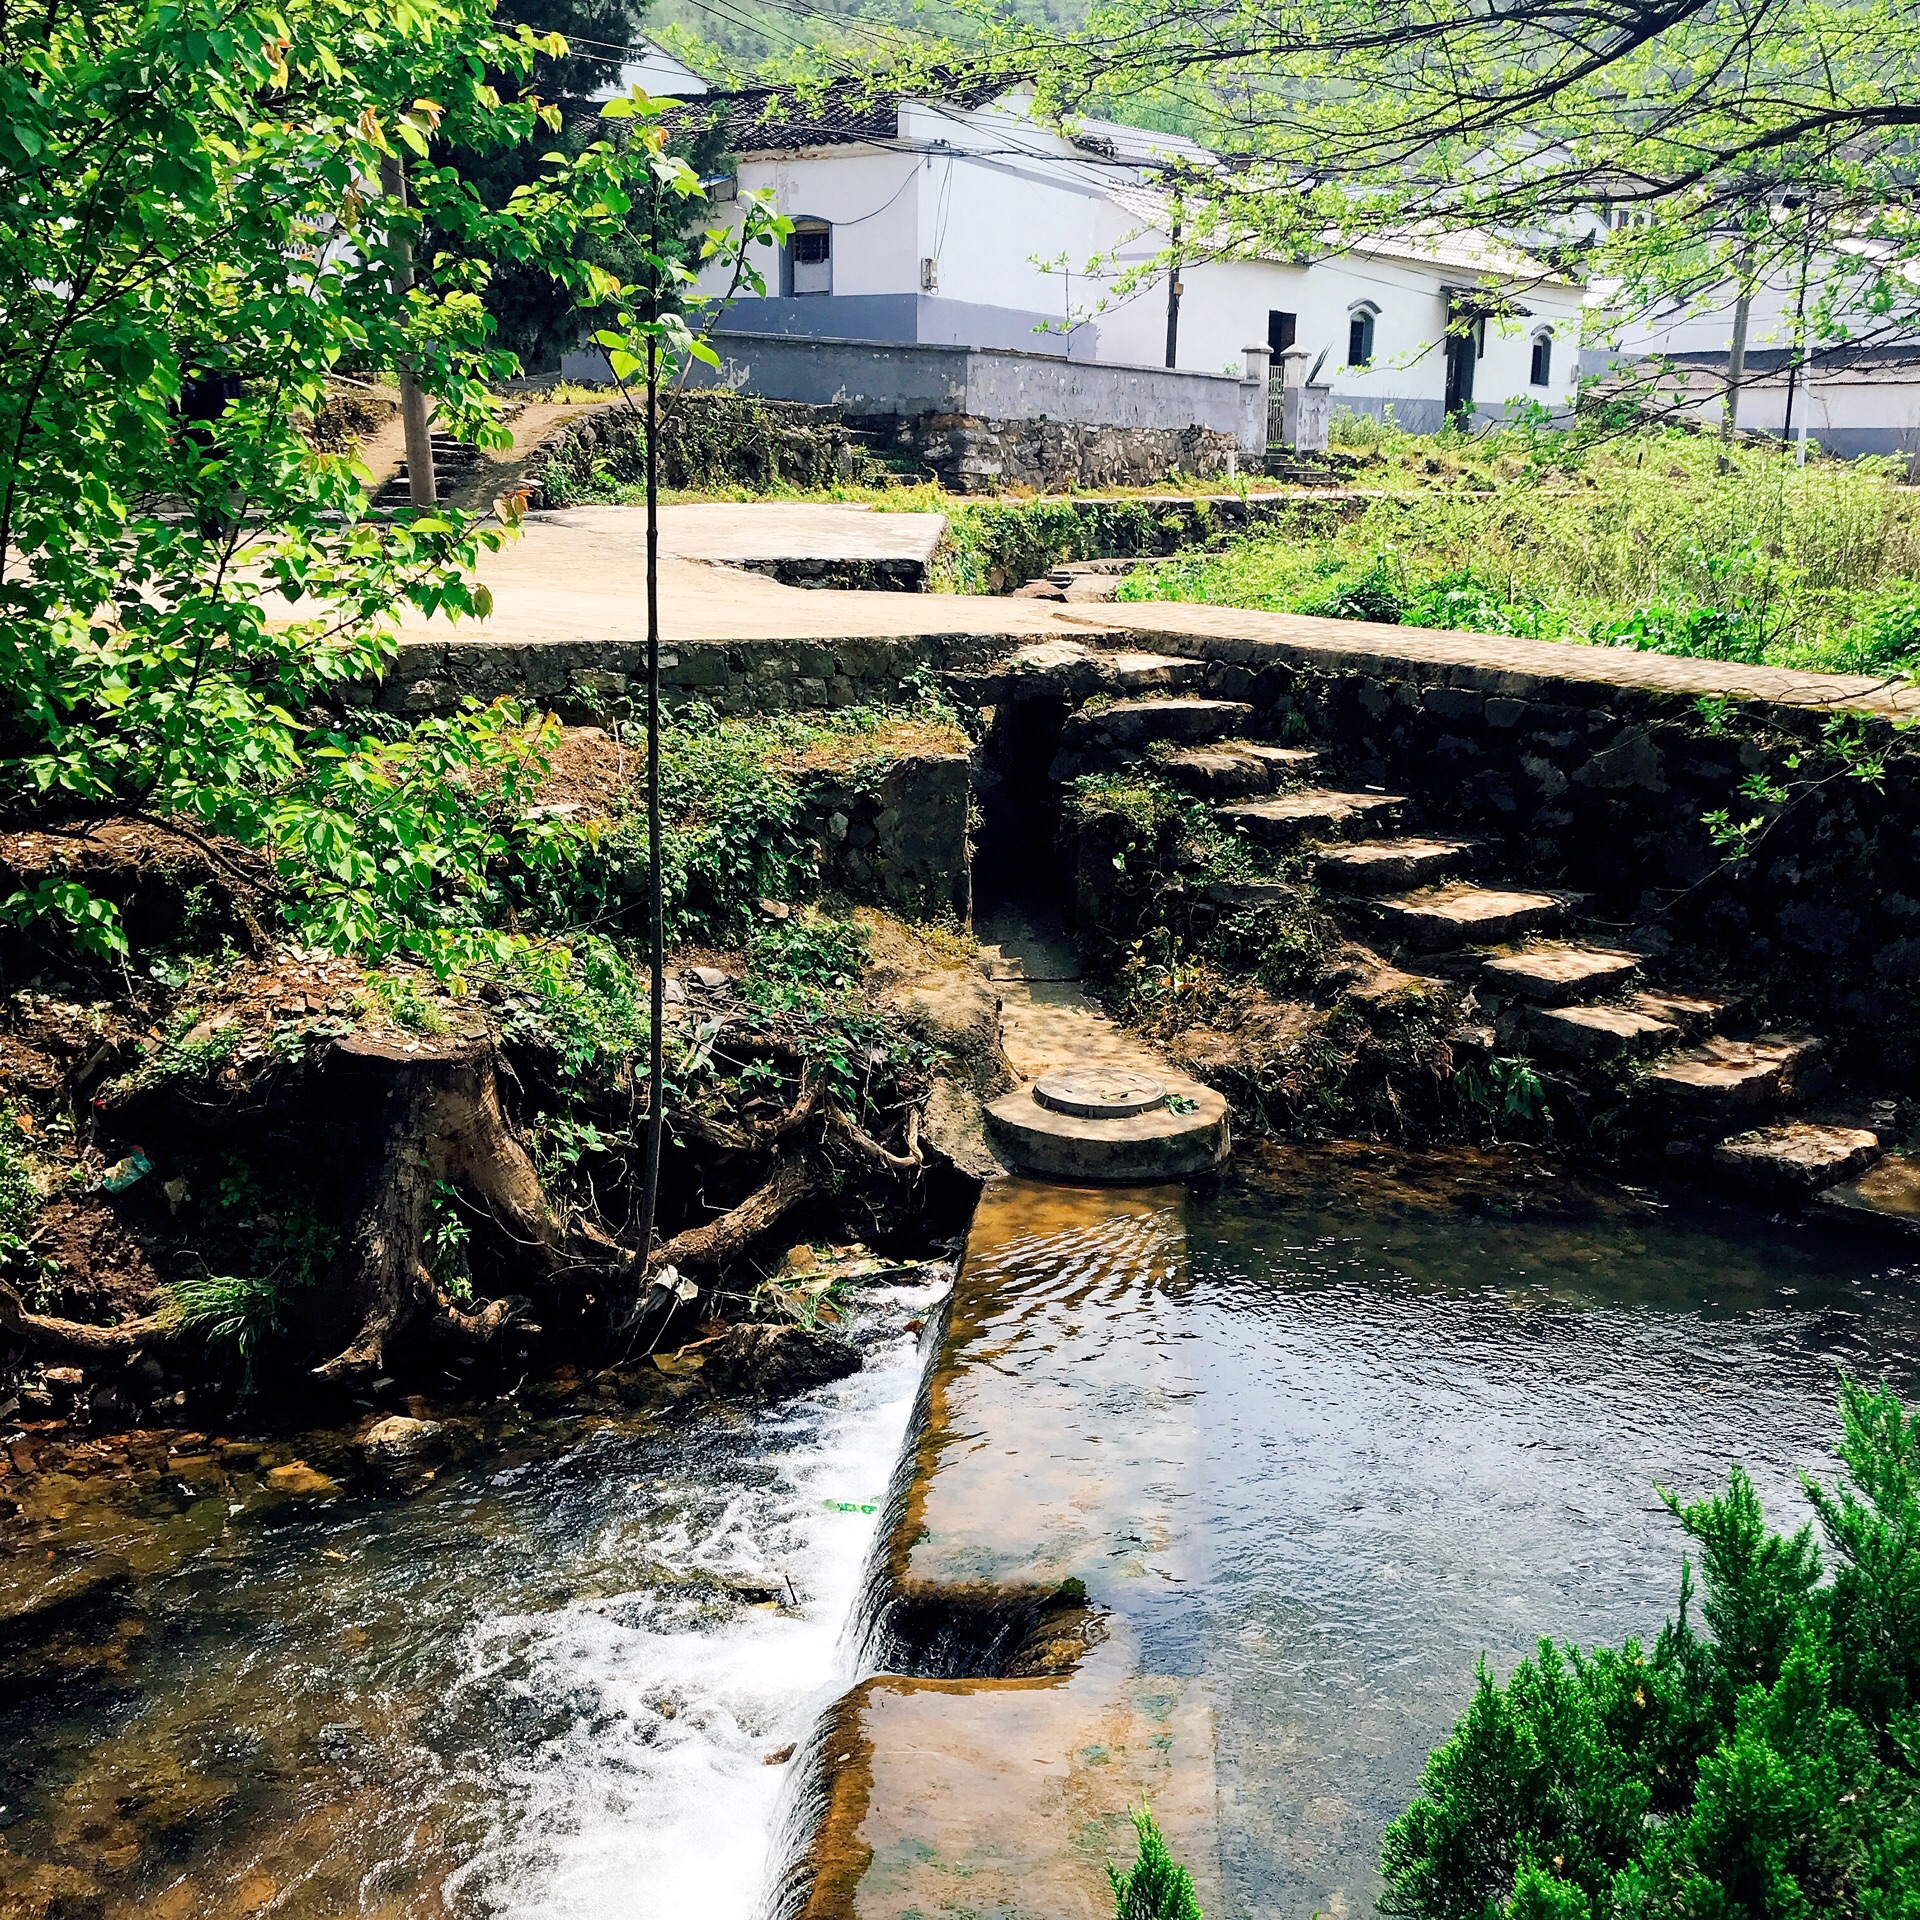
(1654, 539)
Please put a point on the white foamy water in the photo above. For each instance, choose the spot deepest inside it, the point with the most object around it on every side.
(659, 1698)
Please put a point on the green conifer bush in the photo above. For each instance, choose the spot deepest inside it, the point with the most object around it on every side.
(1766, 1769)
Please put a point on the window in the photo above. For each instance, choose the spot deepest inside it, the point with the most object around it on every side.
(1541, 374)
(811, 252)
(1360, 321)
(1282, 329)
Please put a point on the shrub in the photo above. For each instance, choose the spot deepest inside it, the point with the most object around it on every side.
(1156, 1886)
(1771, 1769)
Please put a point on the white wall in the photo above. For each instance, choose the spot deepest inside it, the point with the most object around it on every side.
(1014, 215)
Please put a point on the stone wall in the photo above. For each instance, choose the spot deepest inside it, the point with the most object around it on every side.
(903, 842)
(969, 454)
(584, 680)
(993, 383)
(1595, 768)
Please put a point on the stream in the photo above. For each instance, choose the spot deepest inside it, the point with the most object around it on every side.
(554, 1680)
(561, 1677)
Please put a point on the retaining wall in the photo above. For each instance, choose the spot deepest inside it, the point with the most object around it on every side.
(879, 377)
(583, 680)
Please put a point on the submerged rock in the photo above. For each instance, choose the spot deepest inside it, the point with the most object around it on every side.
(399, 1441)
(770, 1363)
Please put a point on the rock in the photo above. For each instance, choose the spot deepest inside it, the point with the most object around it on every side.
(401, 1441)
(709, 977)
(954, 1125)
(1797, 1159)
(771, 1363)
(297, 1477)
(957, 1010)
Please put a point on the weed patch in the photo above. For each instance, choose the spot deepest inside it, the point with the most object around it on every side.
(1657, 540)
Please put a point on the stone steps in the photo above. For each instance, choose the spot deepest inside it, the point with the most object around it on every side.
(1644, 1024)
(1798, 1159)
(1462, 914)
(1886, 1198)
(1577, 1003)
(1391, 866)
(1236, 768)
(1289, 819)
(1185, 721)
(1558, 973)
(1723, 1083)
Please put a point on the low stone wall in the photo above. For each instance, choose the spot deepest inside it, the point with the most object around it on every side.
(584, 680)
(969, 454)
(1595, 768)
(903, 843)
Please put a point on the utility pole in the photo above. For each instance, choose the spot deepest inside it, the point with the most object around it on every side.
(1799, 340)
(1173, 299)
(413, 403)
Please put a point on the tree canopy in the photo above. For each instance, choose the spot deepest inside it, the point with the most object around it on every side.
(204, 224)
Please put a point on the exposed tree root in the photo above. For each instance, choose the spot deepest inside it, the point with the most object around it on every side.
(909, 1162)
(729, 1234)
(75, 1339)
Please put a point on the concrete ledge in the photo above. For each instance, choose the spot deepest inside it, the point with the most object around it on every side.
(1161, 1145)
(1495, 665)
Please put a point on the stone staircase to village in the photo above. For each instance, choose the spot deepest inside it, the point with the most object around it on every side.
(1540, 979)
(453, 465)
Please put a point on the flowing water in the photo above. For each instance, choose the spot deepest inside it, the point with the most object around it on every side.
(1427, 1421)
(1435, 1430)
(545, 1683)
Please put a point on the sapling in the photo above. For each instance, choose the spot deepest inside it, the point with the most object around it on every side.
(1156, 1886)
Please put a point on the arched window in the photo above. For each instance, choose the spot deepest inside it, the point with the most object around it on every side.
(1360, 319)
(1542, 371)
(811, 253)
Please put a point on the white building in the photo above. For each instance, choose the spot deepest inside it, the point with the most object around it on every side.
(1856, 394)
(966, 223)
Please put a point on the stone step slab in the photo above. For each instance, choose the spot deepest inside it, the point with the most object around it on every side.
(1140, 723)
(1722, 1081)
(1693, 1013)
(1392, 866)
(1314, 812)
(1558, 973)
(1462, 914)
(1133, 672)
(1235, 768)
(1885, 1198)
(1796, 1160)
(1598, 1033)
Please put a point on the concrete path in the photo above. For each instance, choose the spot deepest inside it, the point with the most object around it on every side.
(580, 575)
(1049, 1023)
(1500, 664)
(748, 533)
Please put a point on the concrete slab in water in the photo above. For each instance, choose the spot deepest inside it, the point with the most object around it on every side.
(1039, 1541)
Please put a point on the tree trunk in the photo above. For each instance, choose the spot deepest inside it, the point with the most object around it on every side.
(438, 1118)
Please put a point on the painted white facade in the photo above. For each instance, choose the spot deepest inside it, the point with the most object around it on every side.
(1852, 395)
(978, 227)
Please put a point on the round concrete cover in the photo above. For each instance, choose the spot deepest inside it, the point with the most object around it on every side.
(1099, 1093)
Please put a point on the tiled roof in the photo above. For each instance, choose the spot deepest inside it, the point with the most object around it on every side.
(841, 113)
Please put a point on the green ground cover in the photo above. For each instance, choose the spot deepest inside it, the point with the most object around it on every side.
(1655, 539)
